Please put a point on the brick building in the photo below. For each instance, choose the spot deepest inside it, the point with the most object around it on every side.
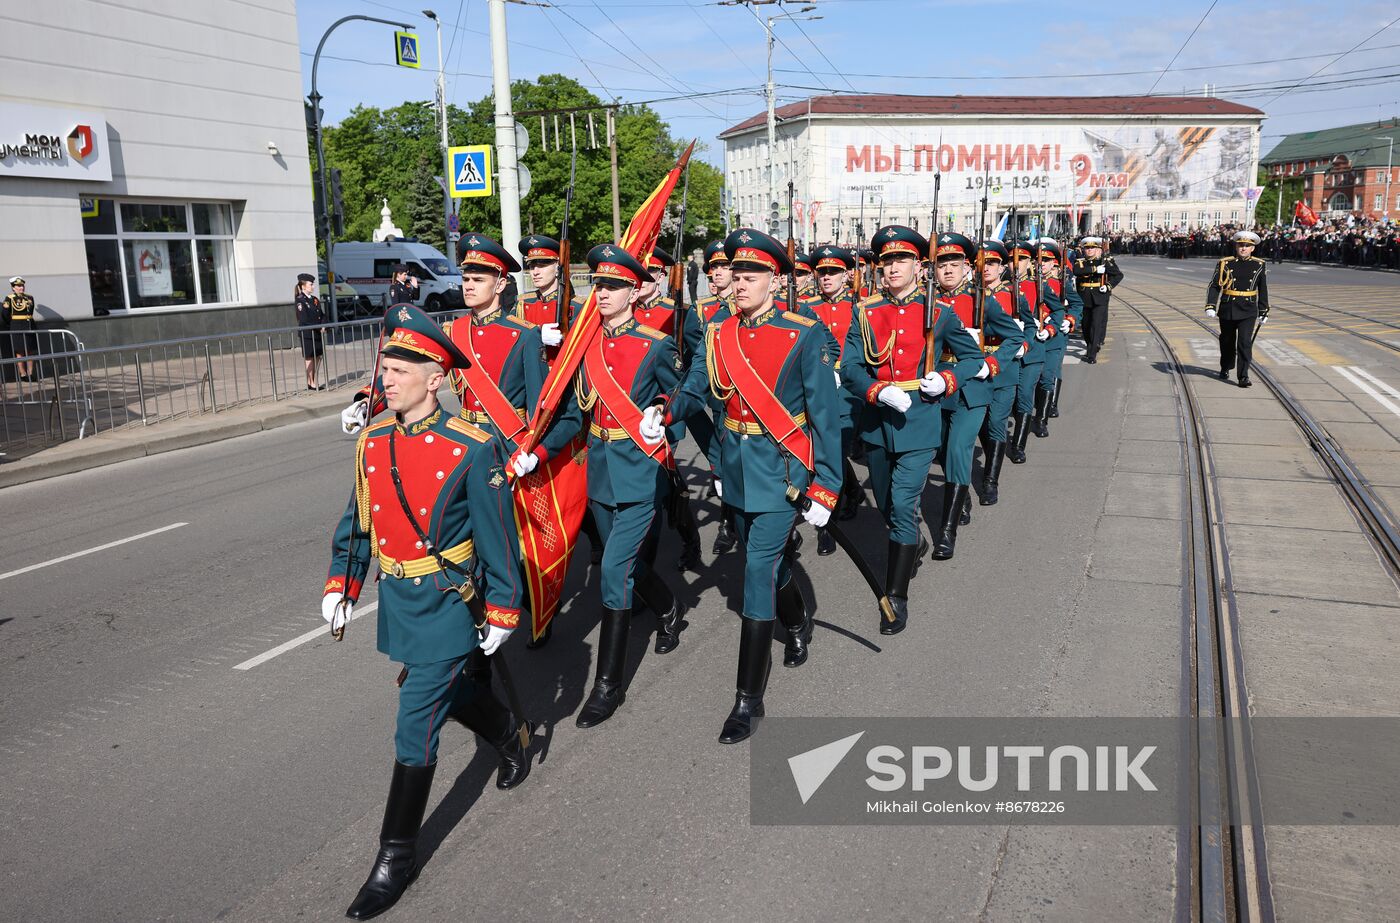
(1344, 170)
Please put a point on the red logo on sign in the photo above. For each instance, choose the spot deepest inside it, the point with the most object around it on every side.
(80, 143)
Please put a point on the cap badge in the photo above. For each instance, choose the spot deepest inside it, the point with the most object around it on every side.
(891, 233)
(608, 252)
(745, 237)
(471, 241)
(404, 315)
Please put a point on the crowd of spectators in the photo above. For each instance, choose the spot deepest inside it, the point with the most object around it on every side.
(1362, 243)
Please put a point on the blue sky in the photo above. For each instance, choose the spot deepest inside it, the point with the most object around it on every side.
(635, 51)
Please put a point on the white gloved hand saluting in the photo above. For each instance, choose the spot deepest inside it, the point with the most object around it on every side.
(523, 463)
(354, 417)
(332, 612)
(495, 637)
(550, 334)
(892, 397)
(653, 431)
(933, 385)
(984, 372)
(1210, 312)
(817, 515)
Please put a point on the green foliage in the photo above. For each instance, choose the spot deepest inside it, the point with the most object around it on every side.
(393, 154)
(1266, 209)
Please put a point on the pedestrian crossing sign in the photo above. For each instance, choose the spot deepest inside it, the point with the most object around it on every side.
(471, 171)
(406, 49)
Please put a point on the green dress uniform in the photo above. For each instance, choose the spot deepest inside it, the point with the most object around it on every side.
(626, 368)
(885, 348)
(704, 424)
(452, 525)
(838, 316)
(1239, 293)
(1003, 298)
(772, 371)
(1059, 292)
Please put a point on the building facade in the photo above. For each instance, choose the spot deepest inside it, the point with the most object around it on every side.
(1346, 171)
(1070, 163)
(153, 161)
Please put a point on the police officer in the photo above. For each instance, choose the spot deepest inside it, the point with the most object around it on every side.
(541, 307)
(18, 312)
(1030, 406)
(1002, 295)
(772, 370)
(998, 339)
(1095, 276)
(887, 363)
(310, 318)
(628, 373)
(403, 289)
(1238, 294)
(457, 533)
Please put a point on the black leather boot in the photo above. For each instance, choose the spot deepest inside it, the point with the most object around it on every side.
(899, 568)
(1052, 410)
(607, 692)
(826, 543)
(689, 533)
(991, 474)
(965, 516)
(488, 716)
(595, 539)
(755, 658)
(954, 496)
(725, 538)
(535, 644)
(1038, 424)
(397, 863)
(792, 612)
(1017, 451)
(670, 621)
(852, 496)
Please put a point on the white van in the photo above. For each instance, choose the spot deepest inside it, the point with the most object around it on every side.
(368, 269)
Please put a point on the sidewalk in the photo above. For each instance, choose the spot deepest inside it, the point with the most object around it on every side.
(140, 441)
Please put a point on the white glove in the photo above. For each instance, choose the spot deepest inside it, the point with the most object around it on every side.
(933, 385)
(1064, 325)
(975, 333)
(719, 488)
(1042, 335)
(1022, 351)
(1020, 323)
(524, 463)
(817, 515)
(332, 613)
(1100, 268)
(551, 335)
(1263, 319)
(652, 429)
(837, 376)
(495, 637)
(1210, 312)
(984, 372)
(354, 417)
(891, 396)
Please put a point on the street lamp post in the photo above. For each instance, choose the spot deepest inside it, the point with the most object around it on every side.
(446, 161)
(505, 130)
(326, 206)
(1389, 162)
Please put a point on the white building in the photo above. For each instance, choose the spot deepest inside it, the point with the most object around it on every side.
(1102, 162)
(153, 164)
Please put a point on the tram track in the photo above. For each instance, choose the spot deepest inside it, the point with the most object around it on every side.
(1224, 870)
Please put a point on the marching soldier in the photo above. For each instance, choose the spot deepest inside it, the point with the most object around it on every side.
(886, 359)
(772, 370)
(541, 307)
(18, 312)
(836, 309)
(1029, 405)
(1002, 296)
(431, 503)
(1074, 316)
(1056, 289)
(1095, 276)
(657, 309)
(628, 373)
(999, 339)
(1238, 294)
(704, 425)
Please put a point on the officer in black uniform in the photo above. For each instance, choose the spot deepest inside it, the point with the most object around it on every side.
(404, 288)
(18, 312)
(1238, 294)
(1095, 276)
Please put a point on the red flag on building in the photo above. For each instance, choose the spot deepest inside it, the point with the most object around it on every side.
(551, 500)
(1304, 214)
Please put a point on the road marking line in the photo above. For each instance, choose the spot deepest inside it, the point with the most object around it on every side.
(280, 649)
(1376, 381)
(79, 554)
(1316, 352)
(1384, 401)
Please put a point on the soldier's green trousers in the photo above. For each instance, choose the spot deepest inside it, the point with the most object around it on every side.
(1054, 359)
(1025, 388)
(960, 428)
(898, 479)
(430, 694)
(766, 567)
(1003, 398)
(625, 531)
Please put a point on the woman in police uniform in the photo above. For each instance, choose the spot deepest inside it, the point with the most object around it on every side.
(310, 317)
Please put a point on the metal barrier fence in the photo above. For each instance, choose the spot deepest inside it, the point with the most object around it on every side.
(77, 392)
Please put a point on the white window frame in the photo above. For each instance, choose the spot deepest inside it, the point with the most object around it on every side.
(122, 236)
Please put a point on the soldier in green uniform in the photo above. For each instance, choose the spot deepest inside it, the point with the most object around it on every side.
(1002, 301)
(1239, 295)
(836, 309)
(18, 312)
(887, 359)
(772, 371)
(1058, 290)
(703, 424)
(431, 503)
(999, 339)
(627, 375)
(1046, 325)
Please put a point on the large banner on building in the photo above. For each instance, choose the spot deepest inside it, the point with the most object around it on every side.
(1039, 163)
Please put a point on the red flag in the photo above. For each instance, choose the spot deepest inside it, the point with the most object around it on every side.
(1304, 214)
(551, 500)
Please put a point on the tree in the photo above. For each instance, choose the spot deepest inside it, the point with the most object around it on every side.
(1266, 209)
(382, 153)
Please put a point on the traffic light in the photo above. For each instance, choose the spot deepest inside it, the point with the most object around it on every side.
(313, 118)
(337, 204)
(773, 219)
(319, 204)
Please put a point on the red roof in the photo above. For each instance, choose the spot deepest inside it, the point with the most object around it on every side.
(894, 104)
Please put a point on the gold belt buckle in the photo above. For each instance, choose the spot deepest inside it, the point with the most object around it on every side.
(397, 569)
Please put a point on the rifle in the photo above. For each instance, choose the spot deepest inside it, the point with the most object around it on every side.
(930, 353)
(677, 280)
(564, 289)
(791, 253)
(979, 309)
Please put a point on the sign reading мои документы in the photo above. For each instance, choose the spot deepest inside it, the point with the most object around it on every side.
(51, 143)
